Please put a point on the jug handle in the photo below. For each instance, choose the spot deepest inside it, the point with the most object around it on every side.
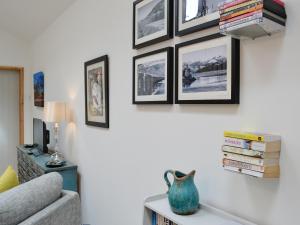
(167, 179)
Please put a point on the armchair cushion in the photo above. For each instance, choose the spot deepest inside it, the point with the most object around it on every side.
(8, 180)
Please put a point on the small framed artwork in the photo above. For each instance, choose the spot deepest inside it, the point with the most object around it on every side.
(153, 77)
(196, 15)
(207, 71)
(38, 84)
(97, 92)
(152, 22)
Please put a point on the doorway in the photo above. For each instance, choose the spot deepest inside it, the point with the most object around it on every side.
(11, 114)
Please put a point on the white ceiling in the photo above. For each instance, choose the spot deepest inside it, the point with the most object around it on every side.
(28, 18)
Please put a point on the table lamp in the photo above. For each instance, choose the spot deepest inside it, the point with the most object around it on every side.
(55, 112)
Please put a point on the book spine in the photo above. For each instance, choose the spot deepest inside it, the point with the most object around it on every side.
(252, 22)
(241, 17)
(243, 151)
(246, 144)
(242, 165)
(245, 159)
(158, 219)
(241, 135)
(166, 221)
(275, 8)
(162, 222)
(240, 21)
(233, 3)
(231, 15)
(153, 218)
(252, 173)
(253, 5)
(241, 6)
(237, 142)
(161, 219)
(244, 171)
(279, 2)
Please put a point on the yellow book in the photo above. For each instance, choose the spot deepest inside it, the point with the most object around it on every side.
(252, 136)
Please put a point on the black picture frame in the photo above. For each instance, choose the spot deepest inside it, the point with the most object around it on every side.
(191, 29)
(169, 30)
(169, 76)
(235, 72)
(105, 61)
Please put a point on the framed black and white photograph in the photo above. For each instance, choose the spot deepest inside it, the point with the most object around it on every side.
(196, 15)
(153, 77)
(207, 71)
(96, 92)
(152, 22)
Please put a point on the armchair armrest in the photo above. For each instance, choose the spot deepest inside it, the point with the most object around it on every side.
(64, 211)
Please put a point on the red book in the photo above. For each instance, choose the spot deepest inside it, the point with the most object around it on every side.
(279, 2)
(233, 3)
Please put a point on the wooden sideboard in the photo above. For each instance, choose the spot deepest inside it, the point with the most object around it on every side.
(30, 167)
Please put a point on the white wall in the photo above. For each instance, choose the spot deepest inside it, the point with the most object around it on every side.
(16, 52)
(121, 166)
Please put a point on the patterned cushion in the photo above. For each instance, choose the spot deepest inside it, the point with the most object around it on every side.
(8, 180)
(25, 200)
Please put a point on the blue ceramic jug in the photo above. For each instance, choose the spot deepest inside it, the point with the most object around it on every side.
(183, 195)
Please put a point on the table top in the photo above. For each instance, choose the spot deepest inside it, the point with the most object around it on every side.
(42, 159)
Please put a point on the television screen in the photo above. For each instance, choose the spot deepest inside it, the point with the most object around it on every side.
(40, 135)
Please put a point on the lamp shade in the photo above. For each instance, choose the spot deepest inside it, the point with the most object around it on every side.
(55, 112)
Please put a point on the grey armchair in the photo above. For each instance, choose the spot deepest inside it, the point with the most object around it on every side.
(40, 202)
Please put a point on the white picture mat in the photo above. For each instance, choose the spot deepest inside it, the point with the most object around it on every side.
(156, 34)
(194, 22)
(159, 56)
(91, 118)
(222, 95)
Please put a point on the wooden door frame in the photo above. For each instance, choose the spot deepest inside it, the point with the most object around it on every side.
(20, 71)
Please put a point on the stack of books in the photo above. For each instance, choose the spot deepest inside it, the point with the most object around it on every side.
(252, 154)
(252, 18)
(158, 219)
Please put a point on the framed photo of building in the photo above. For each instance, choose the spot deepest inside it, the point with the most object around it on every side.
(196, 15)
(153, 77)
(152, 22)
(97, 92)
(207, 71)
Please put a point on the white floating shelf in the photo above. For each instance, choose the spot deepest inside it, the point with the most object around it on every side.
(253, 31)
(266, 25)
(206, 215)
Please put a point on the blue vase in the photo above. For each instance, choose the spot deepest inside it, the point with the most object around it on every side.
(183, 194)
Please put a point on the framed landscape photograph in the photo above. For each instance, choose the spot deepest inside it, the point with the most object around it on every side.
(207, 71)
(196, 15)
(38, 84)
(152, 22)
(96, 92)
(153, 77)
